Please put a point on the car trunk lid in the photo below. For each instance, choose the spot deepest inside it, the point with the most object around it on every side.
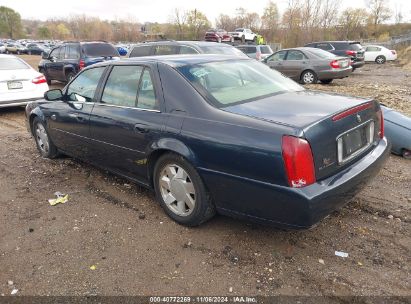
(13, 81)
(339, 129)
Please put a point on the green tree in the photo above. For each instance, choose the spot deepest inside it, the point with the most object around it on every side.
(197, 23)
(43, 32)
(10, 22)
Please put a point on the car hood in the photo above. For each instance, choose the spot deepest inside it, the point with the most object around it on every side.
(297, 109)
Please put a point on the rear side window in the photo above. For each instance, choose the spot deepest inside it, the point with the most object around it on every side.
(340, 46)
(100, 50)
(265, 49)
(72, 52)
(84, 86)
(324, 46)
(248, 50)
(279, 56)
(140, 51)
(295, 55)
(122, 85)
(165, 50)
(12, 64)
(355, 47)
(187, 50)
(146, 94)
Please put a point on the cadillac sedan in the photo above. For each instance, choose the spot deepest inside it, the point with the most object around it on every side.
(308, 65)
(213, 133)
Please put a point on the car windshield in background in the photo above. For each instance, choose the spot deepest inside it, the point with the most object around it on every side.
(321, 53)
(355, 47)
(230, 82)
(100, 49)
(12, 64)
(225, 50)
(265, 49)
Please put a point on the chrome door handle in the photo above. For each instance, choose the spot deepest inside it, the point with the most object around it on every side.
(141, 128)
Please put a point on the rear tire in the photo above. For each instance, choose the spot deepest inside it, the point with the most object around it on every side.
(326, 81)
(181, 192)
(380, 59)
(309, 77)
(43, 142)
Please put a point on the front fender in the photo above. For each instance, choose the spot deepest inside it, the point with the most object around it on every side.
(33, 110)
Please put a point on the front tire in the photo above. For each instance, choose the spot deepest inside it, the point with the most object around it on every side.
(406, 153)
(181, 192)
(380, 59)
(44, 144)
(309, 77)
(70, 76)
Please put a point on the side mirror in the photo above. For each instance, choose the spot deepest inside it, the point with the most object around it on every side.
(52, 95)
(45, 55)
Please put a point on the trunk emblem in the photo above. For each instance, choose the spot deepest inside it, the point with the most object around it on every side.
(358, 118)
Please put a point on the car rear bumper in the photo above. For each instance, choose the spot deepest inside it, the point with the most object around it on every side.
(357, 64)
(292, 208)
(334, 74)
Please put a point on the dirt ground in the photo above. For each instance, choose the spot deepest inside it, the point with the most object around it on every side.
(112, 238)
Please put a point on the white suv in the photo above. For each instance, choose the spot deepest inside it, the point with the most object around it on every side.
(244, 35)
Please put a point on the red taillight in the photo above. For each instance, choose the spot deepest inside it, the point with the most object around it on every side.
(298, 161)
(380, 118)
(352, 111)
(39, 79)
(351, 53)
(335, 64)
(258, 55)
(82, 64)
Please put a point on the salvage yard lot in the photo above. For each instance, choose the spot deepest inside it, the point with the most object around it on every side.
(117, 227)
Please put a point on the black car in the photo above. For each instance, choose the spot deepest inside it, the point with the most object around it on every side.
(352, 49)
(213, 133)
(66, 60)
(171, 47)
(35, 49)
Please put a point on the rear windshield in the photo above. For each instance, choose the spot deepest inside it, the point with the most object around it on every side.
(248, 49)
(12, 64)
(355, 47)
(100, 49)
(266, 49)
(225, 50)
(226, 83)
(321, 53)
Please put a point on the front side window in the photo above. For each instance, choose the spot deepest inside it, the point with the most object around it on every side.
(122, 85)
(82, 88)
(165, 50)
(230, 82)
(55, 53)
(279, 56)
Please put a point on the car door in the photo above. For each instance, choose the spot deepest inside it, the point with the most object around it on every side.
(276, 61)
(68, 119)
(127, 120)
(295, 62)
(52, 66)
(371, 52)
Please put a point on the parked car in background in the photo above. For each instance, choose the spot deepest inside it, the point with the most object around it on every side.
(19, 82)
(398, 131)
(66, 60)
(379, 54)
(216, 134)
(172, 47)
(308, 65)
(36, 49)
(218, 35)
(258, 52)
(244, 35)
(2, 48)
(14, 48)
(351, 49)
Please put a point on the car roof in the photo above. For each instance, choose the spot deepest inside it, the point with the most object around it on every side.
(302, 48)
(193, 43)
(336, 41)
(175, 60)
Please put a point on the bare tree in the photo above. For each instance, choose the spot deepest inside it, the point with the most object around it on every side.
(379, 11)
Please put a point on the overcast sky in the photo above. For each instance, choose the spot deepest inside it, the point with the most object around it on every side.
(156, 10)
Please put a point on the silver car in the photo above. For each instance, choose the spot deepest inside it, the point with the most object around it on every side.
(308, 65)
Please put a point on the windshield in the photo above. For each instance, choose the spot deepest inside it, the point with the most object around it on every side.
(321, 53)
(12, 64)
(226, 83)
(225, 50)
(100, 49)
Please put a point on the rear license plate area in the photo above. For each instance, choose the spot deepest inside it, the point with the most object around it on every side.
(353, 142)
(14, 85)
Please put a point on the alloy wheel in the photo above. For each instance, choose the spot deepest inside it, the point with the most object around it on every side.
(177, 190)
(308, 77)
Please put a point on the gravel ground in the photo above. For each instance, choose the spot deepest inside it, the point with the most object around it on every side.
(112, 238)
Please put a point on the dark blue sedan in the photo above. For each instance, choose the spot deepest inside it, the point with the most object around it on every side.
(216, 134)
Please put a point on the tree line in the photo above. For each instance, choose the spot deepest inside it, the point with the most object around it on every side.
(302, 21)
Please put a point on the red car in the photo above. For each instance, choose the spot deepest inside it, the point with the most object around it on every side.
(218, 36)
